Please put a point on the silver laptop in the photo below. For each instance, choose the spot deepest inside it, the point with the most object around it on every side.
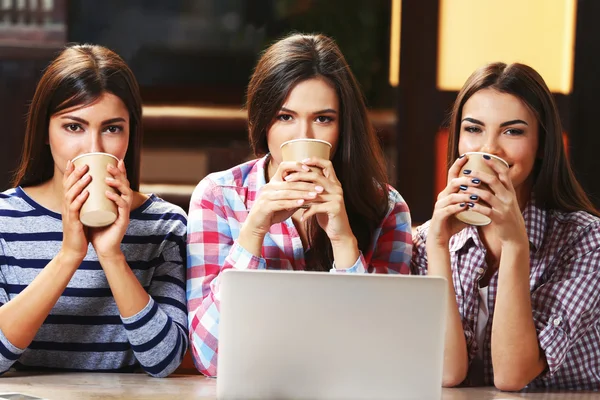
(311, 335)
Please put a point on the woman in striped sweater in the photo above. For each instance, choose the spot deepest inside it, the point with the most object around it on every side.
(77, 298)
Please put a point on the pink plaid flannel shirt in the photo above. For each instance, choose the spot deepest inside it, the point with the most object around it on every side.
(565, 294)
(220, 204)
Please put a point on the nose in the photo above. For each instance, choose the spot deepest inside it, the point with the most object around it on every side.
(305, 130)
(490, 145)
(95, 145)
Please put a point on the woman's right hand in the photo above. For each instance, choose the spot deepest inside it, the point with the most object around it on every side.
(450, 201)
(278, 199)
(75, 182)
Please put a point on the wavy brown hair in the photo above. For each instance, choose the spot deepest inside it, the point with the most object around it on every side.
(358, 160)
(554, 183)
(77, 78)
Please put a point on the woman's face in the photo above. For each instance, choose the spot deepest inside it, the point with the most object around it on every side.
(501, 124)
(312, 111)
(102, 126)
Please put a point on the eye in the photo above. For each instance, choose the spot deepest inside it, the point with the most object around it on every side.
(284, 117)
(514, 132)
(73, 127)
(472, 129)
(114, 129)
(323, 119)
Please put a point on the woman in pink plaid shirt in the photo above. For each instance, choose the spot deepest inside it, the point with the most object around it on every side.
(250, 217)
(524, 298)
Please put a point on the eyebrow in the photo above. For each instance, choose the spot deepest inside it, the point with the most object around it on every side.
(325, 111)
(507, 123)
(83, 121)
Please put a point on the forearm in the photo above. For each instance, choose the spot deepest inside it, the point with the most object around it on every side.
(456, 361)
(251, 240)
(129, 294)
(22, 317)
(516, 356)
(345, 252)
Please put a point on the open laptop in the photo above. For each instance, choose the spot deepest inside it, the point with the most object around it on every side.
(313, 335)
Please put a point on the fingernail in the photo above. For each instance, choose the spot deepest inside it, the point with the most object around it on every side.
(471, 205)
(300, 201)
(462, 204)
(87, 176)
(487, 157)
(319, 188)
(473, 197)
(467, 171)
(312, 194)
(305, 160)
(68, 163)
(463, 187)
(288, 177)
(108, 178)
(461, 156)
(306, 168)
(476, 181)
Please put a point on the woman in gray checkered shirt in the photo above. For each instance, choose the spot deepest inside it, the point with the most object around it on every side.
(524, 306)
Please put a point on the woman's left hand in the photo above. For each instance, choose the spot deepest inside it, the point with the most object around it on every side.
(503, 210)
(107, 241)
(328, 206)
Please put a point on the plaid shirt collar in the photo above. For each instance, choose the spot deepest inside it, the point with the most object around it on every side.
(256, 180)
(535, 224)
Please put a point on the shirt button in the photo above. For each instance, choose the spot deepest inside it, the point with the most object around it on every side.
(480, 271)
(557, 321)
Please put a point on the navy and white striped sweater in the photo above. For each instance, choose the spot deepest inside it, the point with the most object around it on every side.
(84, 330)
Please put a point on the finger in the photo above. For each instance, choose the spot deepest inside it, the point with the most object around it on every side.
(74, 176)
(300, 186)
(77, 203)
(122, 185)
(482, 209)
(494, 183)
(454, 170)
(285, 168)
(461, 183)
(118, 200)
(289, 195)
(325, 165)
(476, 195)
(323, 184)
(449, 210)
(77, 188)
(281, 205)
(452, 199)
(121, 167)
(502, 172)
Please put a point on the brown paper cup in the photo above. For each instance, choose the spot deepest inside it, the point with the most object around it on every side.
(476, 162)
(98, 210)
(301, 149)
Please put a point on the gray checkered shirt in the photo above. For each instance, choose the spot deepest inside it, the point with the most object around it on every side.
(565, 295)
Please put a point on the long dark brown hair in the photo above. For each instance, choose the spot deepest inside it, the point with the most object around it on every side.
(358, 160)
(77, 78)
(554, 184)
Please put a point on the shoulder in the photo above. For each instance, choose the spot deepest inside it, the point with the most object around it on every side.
(159, 217)
(12, 200)
(396, 204)
(236, 176)
(232, 182)
(577, 233)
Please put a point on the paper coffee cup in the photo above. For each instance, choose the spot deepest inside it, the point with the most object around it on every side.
(476, 162)
(98, 210)
(301, 149)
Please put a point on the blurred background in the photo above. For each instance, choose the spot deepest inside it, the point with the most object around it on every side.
(193, 60)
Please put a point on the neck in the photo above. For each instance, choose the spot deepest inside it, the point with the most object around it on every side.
(49, 194)
(271, 169)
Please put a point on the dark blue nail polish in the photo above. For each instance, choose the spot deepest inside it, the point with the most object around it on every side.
(476, 181)
(471, 205)
(463, 187)
(467, 171)
(461, 156)
(473, 197)
(462, 204)
(487, 157)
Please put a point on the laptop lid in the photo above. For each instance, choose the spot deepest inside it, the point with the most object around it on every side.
(312, 335)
